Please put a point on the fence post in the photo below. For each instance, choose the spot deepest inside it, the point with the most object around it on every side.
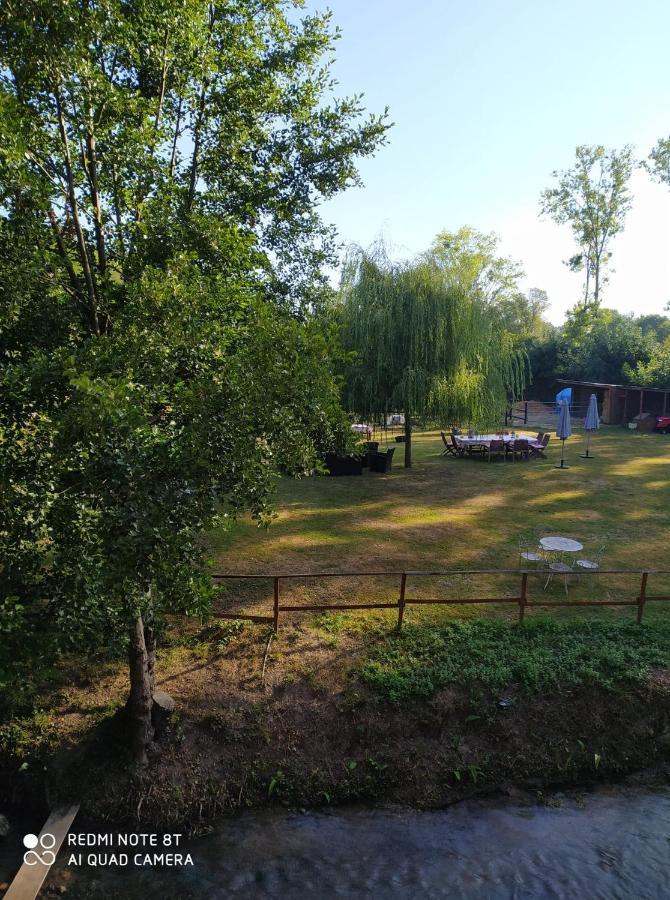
(275, 615)
(401, 599)
(522, 598)
(643, 596)
(525, 413)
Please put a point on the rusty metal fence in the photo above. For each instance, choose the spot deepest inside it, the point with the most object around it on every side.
(404, 598)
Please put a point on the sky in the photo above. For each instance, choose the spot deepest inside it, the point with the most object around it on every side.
(488, 98)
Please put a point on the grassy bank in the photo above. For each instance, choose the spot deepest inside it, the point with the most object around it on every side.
(343, 715)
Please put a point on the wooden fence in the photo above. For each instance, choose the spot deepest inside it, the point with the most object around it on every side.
(521, 599)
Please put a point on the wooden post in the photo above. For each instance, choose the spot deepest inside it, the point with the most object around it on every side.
(625, 407)
(643, 597)
(37, 863)
(275, 615)
(401, 599)
(522, 598)
(525, 413)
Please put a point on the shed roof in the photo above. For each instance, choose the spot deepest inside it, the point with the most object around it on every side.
(624, 387)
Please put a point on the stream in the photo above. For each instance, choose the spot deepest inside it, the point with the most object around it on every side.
(614, 843)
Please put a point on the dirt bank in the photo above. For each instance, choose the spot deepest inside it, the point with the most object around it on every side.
(308, 733)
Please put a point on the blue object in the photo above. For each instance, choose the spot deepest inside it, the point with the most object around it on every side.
(592, 420)
(591, 423)
(564, 427)
(563, 430)
(565, 394)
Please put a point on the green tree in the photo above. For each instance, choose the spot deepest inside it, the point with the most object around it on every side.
(423, 343)
(602, 347)
(658, 162)
(160, 250)
(593, 198)
(655, 325)
(655, 371)
(470, 259)
(544, 352)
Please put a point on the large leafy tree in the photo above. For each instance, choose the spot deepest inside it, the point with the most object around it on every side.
(658, 162)
(472, 259)
(602, 347)
(655, 370)
(593, 198)
(160, 251)
(423, 343)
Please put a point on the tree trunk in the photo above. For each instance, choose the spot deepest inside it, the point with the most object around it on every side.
(141, 692)
(150, 641)
(74, 209)
(408, 441)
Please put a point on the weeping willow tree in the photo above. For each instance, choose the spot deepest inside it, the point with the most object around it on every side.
(422, 344)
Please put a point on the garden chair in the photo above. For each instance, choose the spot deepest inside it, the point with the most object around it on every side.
(448, 449)
(526, 553)
(519, 447)
(381, 462)
(457, 450)
(560, 567)
(591, 565)
(539, 451)
(496, 448)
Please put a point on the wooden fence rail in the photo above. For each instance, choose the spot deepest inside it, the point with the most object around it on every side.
(521, 599)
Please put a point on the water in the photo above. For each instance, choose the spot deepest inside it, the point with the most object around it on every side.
(614, 844)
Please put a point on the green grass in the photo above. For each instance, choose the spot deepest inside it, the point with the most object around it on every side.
(448, 513)
(543, 653)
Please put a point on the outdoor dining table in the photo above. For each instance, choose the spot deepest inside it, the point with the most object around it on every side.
(483, 440)
(560, 544)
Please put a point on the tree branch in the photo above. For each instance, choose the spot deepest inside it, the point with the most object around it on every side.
(92, 175)
(81, 241)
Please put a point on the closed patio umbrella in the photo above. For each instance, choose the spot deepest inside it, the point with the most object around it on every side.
(563, 430)
(591, 423)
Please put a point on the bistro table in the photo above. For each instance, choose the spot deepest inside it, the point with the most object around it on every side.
(560, 544)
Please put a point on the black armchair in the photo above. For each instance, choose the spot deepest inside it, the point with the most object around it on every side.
(381, 462)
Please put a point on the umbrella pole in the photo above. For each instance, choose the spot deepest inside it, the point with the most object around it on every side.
(587, 455)
(562, 465)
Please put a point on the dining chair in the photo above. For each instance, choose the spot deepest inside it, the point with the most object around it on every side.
(592, 564)
(457, 448)
(526, 553)
(518, 446)
(495, 448)
(559, 567)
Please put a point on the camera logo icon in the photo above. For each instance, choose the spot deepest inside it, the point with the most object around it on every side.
(39, 849)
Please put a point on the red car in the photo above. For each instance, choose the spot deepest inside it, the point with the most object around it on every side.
(662, 424)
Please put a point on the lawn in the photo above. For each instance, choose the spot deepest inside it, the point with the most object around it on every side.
(450, 514)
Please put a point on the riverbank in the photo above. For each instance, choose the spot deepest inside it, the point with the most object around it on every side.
(316, 723)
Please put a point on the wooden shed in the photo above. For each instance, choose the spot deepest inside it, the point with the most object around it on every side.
(620, 403)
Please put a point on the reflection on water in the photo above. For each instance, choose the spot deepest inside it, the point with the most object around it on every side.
(616, 844)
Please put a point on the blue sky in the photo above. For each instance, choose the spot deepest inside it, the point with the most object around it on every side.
(488, 98)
